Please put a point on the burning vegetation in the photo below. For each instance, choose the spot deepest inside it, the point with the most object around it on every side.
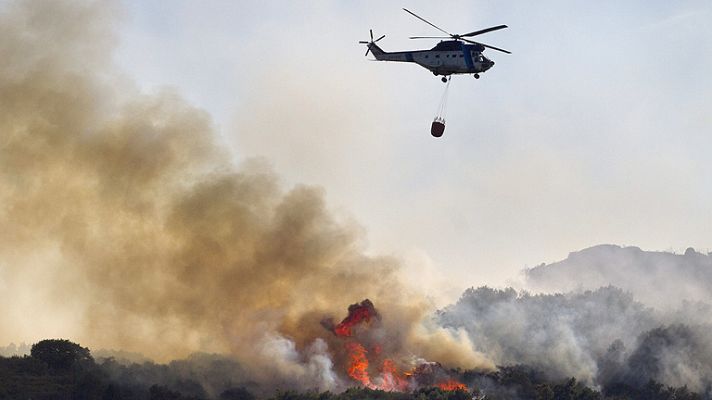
(134, 197)
(366, 363)
(60, 369)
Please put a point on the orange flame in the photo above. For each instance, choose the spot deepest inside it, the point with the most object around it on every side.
(358, 363)
(358, 313)
(390, 378)
(451, 385)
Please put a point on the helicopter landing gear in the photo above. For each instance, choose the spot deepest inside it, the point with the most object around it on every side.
(444, 79)
(477, 76)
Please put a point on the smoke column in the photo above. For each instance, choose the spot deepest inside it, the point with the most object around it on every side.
(125, 224)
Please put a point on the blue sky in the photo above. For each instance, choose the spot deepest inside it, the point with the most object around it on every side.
(595, 130)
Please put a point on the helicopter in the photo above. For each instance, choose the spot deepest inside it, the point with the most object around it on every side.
(449, 57)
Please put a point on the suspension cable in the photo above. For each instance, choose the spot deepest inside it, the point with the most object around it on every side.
(442, 107)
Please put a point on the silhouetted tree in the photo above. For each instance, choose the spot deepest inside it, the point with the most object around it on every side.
(61, 354)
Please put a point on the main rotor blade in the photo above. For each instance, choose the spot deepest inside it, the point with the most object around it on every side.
(481, 31)
(427, 22)
(371, 32)
(488, 46)
(379, 38)
(430, 37)
(367, 50)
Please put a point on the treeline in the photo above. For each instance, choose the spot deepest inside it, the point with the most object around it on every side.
(524, 382)
(60, 369)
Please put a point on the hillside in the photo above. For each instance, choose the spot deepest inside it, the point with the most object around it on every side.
(659, 279)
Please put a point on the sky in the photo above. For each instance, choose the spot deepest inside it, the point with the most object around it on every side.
(594, 130)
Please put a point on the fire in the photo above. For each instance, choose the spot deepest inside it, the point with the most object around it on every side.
(390, 378)
(452, 384)
(358, 365)
(358, 313)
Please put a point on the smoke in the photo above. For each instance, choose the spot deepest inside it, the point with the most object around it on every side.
(678, 355)
(602, 337)
(13, 349)
(126, 225)
(561, 334)
(660, 279)
(199, 375)
(664, 337)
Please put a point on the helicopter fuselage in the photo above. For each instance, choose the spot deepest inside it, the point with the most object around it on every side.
(446, 58)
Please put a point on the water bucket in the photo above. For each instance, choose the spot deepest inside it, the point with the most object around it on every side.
(437, 128)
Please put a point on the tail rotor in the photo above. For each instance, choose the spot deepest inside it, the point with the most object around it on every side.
(371, 42)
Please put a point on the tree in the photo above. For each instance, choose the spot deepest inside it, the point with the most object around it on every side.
(61, 354)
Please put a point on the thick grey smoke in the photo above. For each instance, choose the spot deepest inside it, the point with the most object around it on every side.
(601, 337)
(678, 355)
(656, 327)
(563, 334)
(676, 349)
(126, 226)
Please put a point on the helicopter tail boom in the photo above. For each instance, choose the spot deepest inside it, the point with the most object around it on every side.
(376, 51)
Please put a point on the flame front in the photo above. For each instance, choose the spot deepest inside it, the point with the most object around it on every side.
(452, 384)
(358, 363)
(390, 378)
